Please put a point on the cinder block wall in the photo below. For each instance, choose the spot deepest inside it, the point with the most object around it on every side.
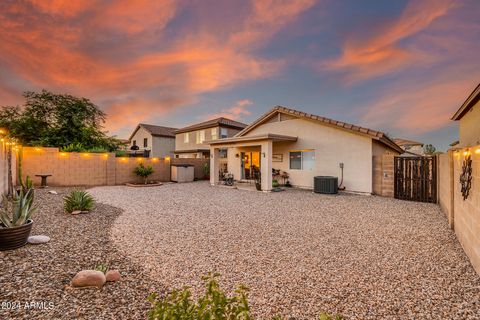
(87, 169)
(383, 175)
(463, 215)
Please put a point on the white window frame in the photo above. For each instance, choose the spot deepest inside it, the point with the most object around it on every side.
(186, 137)
(223, 133)
(301, 159)
(200, 136)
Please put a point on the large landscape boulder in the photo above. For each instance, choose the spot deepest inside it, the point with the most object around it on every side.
(89, 278)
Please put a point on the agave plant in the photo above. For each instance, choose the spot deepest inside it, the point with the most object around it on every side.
(17, 210)
(78, 200)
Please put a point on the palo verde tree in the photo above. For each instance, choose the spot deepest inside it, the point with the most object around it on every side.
(57, 120)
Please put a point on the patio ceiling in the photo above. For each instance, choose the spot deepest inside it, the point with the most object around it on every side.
(268, 136)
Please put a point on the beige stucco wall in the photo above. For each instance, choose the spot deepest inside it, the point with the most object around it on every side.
(469, 127)
(160, 146)
(192, 144)
(332, 146)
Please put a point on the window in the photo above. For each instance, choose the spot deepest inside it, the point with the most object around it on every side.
(186, 137)
(145, 142)
(222, 153)
(302, 160)
(223, 133)
(214, 133)
(200, 136)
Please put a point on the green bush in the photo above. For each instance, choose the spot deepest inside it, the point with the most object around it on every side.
(74, 147)
(275, 183)
(143, 171)
(120, 153)
(214, 304)
(98, 150)
(78, 200)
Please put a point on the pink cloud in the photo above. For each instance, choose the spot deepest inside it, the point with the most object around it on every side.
(236, 112)
(381, 53)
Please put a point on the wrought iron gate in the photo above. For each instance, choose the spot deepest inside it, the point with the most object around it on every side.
(416, 179)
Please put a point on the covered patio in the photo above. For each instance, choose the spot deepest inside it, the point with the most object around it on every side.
(246, 153)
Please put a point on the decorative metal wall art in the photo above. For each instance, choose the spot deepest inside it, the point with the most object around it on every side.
(466, 176)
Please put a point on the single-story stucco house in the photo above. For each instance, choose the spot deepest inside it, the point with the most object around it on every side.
(304, 146)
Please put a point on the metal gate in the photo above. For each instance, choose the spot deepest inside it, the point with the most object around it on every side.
(416, 179)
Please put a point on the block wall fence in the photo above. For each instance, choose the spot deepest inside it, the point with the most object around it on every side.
(463, 215)
(95, 169)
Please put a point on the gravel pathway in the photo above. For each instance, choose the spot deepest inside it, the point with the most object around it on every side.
(36, 277)
(300, 253)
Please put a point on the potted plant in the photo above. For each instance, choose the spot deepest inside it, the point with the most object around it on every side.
(143, 172)
(206, 171)
(285, 177)
(16, 217)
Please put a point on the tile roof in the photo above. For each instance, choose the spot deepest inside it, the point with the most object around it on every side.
(377, 135)
(225, 122)
(154, 130)
(472, 99)
(403, 142)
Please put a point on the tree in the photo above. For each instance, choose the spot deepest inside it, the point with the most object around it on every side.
(429, 149)
(57, 120)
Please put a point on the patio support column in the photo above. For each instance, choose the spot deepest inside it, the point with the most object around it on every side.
(214, 165)
(266, 165)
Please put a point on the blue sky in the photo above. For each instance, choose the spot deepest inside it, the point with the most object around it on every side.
(402, 67)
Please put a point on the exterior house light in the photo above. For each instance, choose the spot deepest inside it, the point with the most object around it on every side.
(477, 151)
(167, 158)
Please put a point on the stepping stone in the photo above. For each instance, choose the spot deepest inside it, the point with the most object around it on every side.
(53, 192)
(38, 239)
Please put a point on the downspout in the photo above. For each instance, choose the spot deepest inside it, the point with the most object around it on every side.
(341, 180)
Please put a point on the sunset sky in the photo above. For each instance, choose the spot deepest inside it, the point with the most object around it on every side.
(403, 67)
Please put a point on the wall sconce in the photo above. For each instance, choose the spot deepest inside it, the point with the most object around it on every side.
(238, 156)
(263, 154)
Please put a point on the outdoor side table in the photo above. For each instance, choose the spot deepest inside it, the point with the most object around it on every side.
(44, 179)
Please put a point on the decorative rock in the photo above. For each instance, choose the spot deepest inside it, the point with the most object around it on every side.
(53, 192)
(113, 275)
(85, 211)
(38, 239)
(89, 278)
(76, 212)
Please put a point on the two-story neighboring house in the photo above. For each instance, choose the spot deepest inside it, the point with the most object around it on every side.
(152, 141)
(411, 148)
(190, 141)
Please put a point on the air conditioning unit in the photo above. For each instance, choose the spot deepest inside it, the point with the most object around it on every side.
(325, 184)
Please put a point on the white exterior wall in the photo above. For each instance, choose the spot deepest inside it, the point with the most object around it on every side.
(332, 146)
(160, 146)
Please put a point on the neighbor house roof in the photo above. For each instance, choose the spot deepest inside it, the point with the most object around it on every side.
(374, 134)
(404, 142)
(158, 131)
(472, 99)
(223, 122)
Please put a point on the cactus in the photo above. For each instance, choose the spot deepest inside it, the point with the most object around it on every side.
(18, 210)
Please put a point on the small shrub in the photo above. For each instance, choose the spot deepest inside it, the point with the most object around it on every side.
(143, 171)
(275, 183)
(74, 147)
(213, 304)
(206, 170)
(78, 200)
(102, 267)
(98, 150)
(120, 153)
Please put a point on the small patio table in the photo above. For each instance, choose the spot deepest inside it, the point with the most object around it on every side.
(44, 179)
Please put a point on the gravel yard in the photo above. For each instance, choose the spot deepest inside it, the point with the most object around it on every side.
(42, 273)
(300, 253)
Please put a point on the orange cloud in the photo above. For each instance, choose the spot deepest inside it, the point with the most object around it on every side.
(380, 54)
(235, 112)
(416, 108)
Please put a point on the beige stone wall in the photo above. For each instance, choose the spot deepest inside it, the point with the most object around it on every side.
(463, 215)
(88, 169)
(445, 185)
